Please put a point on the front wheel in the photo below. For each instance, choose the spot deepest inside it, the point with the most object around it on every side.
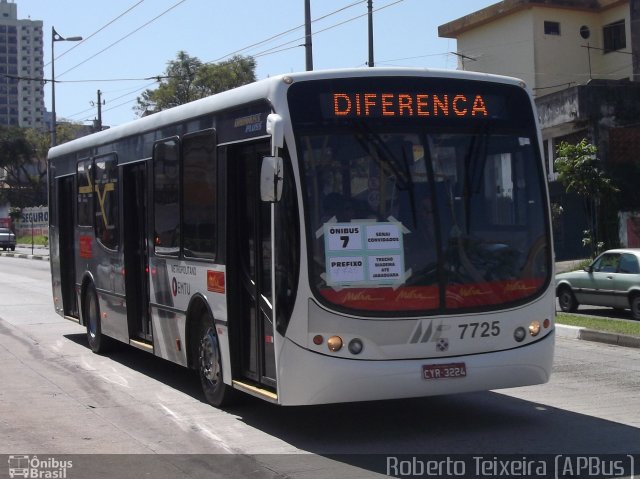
(215, 390)
(635, 307)
(567, 301)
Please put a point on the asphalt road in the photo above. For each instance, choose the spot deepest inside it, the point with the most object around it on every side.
(57, 398)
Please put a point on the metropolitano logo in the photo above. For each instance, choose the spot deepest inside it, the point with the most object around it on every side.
(38, 468)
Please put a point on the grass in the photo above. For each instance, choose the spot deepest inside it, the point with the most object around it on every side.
(37, 240)
(631, 328)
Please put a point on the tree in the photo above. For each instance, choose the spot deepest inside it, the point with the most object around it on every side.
(23, 159)
(24, 179)
(187, 78)
(579, 170)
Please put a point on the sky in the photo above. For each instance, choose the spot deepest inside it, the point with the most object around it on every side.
(128, 42)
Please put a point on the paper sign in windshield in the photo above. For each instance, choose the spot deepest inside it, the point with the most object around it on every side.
(363, 254)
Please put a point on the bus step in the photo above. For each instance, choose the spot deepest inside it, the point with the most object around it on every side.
(141, 344)
(256, 390)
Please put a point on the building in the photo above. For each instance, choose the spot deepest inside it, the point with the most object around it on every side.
(21, 69)
(550, 44)
(581, 60)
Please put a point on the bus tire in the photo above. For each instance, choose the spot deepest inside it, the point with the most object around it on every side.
(98, 342)
(216, 392)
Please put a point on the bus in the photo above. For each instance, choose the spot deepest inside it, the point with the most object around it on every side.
(317, 237)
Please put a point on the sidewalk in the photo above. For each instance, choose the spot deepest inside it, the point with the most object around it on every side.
(26, 251)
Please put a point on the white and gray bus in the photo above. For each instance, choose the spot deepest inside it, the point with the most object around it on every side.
(317, 237)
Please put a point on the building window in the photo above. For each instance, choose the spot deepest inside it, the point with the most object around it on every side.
(551, 28)
(614, 36)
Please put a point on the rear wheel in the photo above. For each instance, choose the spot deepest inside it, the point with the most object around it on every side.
(567, 300)
(215, 390)
(635, 307)
(97, 341)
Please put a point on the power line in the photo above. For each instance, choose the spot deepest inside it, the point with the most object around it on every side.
(269, 51)
(123, 38)
(97, 31)
(276, 48)
(413, 58)
(89, 80)
(291, 30)
(129, 92)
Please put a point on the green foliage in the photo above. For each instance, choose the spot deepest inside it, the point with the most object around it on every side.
(15, 213)
(187, 78)
(25, 179)
(37, 240)
(23, 156)
(580, 171)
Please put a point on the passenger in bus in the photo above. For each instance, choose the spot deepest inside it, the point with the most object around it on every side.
(337, 206)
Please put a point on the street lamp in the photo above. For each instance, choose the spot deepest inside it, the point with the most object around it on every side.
(56, 37)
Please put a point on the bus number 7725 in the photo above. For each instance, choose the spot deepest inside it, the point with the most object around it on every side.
(482, 330)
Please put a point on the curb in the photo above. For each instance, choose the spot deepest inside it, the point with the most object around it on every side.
(11, 254)
(577, 332)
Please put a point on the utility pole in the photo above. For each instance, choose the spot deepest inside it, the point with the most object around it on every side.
(308, 48)
(97, 124)
(370, 11)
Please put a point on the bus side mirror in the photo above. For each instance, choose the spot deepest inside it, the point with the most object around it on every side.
(275, 127)
(271, 179)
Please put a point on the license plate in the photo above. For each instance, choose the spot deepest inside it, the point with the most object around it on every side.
(444, 371)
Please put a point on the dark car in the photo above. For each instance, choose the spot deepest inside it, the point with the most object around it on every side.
(7, 239)
(613, 279)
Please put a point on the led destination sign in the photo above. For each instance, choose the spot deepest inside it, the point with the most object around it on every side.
(436, 101)
(409, 104)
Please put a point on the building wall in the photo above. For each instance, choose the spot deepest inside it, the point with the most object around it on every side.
(30, 92)
(21, 69)
(561, 60)
(615, 65)
(517, 45)
(503, 47)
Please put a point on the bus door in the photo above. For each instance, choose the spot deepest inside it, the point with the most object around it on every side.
(66, 197)
(250, 219)
(136, 255)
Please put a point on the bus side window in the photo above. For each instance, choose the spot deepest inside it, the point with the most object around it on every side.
(106, 201)
(166, 197)
(85, 192)
(199, 194)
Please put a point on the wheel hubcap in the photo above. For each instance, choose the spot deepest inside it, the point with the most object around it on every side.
(93, 320)
(209, 365)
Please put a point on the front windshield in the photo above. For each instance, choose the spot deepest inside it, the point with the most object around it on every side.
(413, 217)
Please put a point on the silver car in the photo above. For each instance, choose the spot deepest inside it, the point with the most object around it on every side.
(613, 279)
